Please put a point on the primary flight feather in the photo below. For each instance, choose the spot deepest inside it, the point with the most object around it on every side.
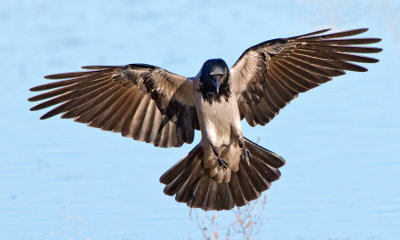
(151, 104)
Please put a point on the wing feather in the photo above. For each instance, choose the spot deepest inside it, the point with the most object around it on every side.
(285, 67)
(141, 101)
(118, 112)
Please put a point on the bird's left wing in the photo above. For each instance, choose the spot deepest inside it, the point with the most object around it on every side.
(141, 101)
(269, 75)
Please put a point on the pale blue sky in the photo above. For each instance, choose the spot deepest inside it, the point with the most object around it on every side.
(63, 180)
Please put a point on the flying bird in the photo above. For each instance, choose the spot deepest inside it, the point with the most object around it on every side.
(150, 104)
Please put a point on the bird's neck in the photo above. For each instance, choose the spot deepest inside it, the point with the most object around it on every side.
(210, 96)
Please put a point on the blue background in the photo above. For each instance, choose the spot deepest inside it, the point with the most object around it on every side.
(63, 180)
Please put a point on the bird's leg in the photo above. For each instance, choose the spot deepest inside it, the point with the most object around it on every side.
(241, 142)
(221, 162)
(246, 155)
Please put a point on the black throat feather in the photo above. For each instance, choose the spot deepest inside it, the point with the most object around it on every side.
(210, 96)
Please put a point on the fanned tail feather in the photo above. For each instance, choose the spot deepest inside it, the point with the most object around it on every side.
(191, 184)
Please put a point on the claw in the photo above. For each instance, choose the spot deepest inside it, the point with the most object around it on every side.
(222, 163)
(215, 150)
(246, 155)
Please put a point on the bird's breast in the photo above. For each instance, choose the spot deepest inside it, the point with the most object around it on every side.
(216, 119)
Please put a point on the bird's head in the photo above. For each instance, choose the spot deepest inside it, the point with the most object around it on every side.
(214, 76)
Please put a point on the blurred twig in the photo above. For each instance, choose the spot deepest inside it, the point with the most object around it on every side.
(73, 223)
(245, 224)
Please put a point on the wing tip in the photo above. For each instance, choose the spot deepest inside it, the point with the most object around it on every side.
(51, 76)
(373, 60)
(47, 115)
(324, 30)
(55, 77)
(98, 67)
(32, 99)
(34, 89)
(358, 30)
(43, 117)
(362, 69)
(320, 31)
(34, 108)
(311, 33)
(364, 29)
(375, 40)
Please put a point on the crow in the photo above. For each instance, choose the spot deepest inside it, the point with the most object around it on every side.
(150, 104)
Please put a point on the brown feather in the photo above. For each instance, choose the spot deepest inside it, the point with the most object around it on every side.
(200, 192)
(71, 95)
(311, 33)
(100, 67)
(88, 78)
(191, 183)
(172, 139)
(236, 192)
(120, 109)
(264, 155)
(340, 64)
(91, 104)
(339, 34)
(101, 97)
(157, 122)
(317, 65)
(186, 191)
(91, 115)
(173, 187)
(256, 181)
(224, 196)
(140, 114)
(127, 107)
(276, 74)
(126, 128)
(354, 58)
(268, 173)
(308, 67)
(175, 170)
(148, 121)
(294, 65)
(352, 41)
(277, 101)
(304, 75)
(77, 74)
(108, 113)
(210, 202)
(165, 135)
(350, 49)
(248, 191)
(292, 73)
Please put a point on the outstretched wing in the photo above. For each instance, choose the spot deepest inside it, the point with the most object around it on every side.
(144, 102)
(269, 75)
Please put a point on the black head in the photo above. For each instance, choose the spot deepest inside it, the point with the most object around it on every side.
(214, 77)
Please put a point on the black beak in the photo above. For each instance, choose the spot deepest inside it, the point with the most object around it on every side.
(215, 82)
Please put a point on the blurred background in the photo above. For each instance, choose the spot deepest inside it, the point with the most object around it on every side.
(63, 180)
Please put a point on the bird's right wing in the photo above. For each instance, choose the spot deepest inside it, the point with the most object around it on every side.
(144, 102)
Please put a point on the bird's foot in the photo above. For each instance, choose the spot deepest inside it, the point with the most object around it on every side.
(241, 142)
(246, 155)
(215, 150)
(222, 163)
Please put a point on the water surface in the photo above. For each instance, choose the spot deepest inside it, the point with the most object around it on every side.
(63, 180)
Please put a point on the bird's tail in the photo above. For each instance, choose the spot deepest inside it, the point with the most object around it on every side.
(191, 184)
